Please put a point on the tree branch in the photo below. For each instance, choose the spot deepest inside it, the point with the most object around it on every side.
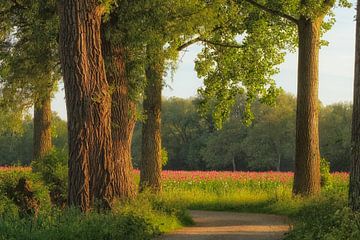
(200, 39)
(273, 11)
(221, 44)
(188, 43)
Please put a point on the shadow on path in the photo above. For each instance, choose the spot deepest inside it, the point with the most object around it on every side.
(210, 225)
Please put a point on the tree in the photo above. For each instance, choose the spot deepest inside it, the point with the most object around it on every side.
(335, 135)
(274, 130)
(181, 125)
(29, 67)
(123, 107)
(17, 141)
(354, 186)
(308, 17)
(91, 167)
(150, 164)
(169, 26)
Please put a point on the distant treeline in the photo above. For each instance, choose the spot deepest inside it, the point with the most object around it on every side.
(193, 143)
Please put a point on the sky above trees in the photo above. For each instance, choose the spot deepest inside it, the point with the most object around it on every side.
(336, 67)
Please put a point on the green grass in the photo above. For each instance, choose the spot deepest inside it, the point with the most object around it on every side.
(325, 217)
(143, 218)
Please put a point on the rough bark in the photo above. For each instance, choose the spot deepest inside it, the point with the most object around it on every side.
(354, 187)
(42, 127)
(150, 163)
(88, 105)
(307, 153)
(123, 118)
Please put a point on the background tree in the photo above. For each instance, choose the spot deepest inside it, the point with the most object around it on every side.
(335, 132)
(308, 18)
(29, 66)
(274, 130)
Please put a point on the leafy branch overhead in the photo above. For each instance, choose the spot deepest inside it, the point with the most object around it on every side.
(262, 30)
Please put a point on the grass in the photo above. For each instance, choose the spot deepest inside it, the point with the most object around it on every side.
(324, 217)
(143, 218)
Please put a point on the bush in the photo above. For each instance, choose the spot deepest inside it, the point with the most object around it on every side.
(327, 219)
(139, 220)
(325, 173)
(53, 170)
(164, 157)
(9, 181)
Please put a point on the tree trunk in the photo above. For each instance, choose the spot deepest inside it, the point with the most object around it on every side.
(354, 187)
(88, 105)
(123, 118)
(150, 163)
(233, 164)
(307, 153)
(42, 127)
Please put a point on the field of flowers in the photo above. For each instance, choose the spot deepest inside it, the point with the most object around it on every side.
(238, 191)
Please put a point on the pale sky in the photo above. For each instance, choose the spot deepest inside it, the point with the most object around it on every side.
(336, 68)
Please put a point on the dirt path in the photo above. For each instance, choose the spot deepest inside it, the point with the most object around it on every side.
(228, 226)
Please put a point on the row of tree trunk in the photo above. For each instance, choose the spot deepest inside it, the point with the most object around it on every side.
(100, 124)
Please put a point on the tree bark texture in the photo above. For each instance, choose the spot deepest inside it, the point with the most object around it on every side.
(42, 127)
(150, 163)
(88, 105)
(354, 187)
(123, 118)
(307, 153)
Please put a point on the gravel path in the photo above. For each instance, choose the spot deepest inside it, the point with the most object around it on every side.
(211, 225)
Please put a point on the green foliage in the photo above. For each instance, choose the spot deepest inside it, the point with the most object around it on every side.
(139, 220)
(325, 173)
(257, 39)
(9, 180)
(267, 144)
(16, 145)
(164, 157)
(335, 132)
(29, 66)
(53, 169)
(261, 41)
(326, 220)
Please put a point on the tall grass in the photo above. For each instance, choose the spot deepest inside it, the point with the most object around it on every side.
(324, 217)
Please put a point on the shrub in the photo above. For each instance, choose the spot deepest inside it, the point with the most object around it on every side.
(325, 173)
(136, 220)
(53, 170)
(164, 157)
(8, 182)
(327, 219)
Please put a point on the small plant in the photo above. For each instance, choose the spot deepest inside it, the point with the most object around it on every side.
(325, 173)
(164, 157)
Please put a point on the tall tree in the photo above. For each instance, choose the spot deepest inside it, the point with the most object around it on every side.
(91, 167)
(308, 17)
(150, 163)
(123, 107)
(30, 63)
(42, 127)
(354, 187)
(173, 24)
